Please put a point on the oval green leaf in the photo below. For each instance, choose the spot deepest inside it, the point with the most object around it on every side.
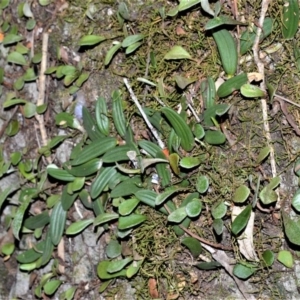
(241, 194)
(131, 221)
(78, 226)
(240, 222)
(193, 245)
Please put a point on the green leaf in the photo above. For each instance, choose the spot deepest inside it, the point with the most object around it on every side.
(118, 113)
(132, 39)
(38, 221)
(8, 248)
(189, 162)
(267, 194)
(118, 265)
(95, 149)
(183, 82)
(232, 84)
(199, 132)
(193, 208)
(101, 116)
(51, 286)
(133, 268)
(177, 215)
(268, 258)
(133, 47)
(127, 187)
(214, 137)
(130, 221)
(90, 125)
(78, 226)
(286, 258)
(290, 18)
(12, 102)
(147, 197)
(202, 184)
(291, 229)
(177, 52)
(160, 198)
(113, 249)
(59, 174)
(251, 91)
(186, 4)
(30, 24)
(102, 181)
(296, 201)
(86, 169)
(218, 226)
(31, 254)
(29, 110)
(11, 38)
(57, 223)
(181, 128)
(240, 222)
(104, 218)
(19, 216)
(111, 53)
(90, 40)
(219, 210)
(103, 274)
(221, 20)
(241, 194)
(16, 58)
(263, 154)
(4, 194)
(193, 245)
(128, 206)
(242, 271)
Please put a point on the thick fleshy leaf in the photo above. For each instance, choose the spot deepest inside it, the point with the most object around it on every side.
(193, 208)
(51, 286)
(16, 58)
(78, 226)
(243, 271)
(113, 249)
(132, 39)
(165, 195)
(286, 258)
(177, 215)
(127, 206)
(268, 258)
(251, 91)
(118, 265)
(214, 137)
(296, 200)
(19, 216)
(263, 154)
(189, 162)
(241, 194)
(174, 161)
(186, 4)
(57, 223)
(219, 210)
(104, 218)
(291, 228)
(193, 245)
(218, 226)
(202, 184)
(177, 52)
(240, 222)
(131, 221)
(208, 265)
(90, 40)
(133, 268)
(103, 274)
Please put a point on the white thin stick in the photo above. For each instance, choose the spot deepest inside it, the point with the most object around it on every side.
(42, 89)
(286, 100)
(136, 102)
(260, 66)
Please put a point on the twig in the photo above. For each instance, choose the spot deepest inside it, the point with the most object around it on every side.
(42, 89)
(136, 102)
(260, 66)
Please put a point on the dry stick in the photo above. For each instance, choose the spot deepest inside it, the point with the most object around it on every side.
(42, 89)
(261, 70)
(136, 102)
